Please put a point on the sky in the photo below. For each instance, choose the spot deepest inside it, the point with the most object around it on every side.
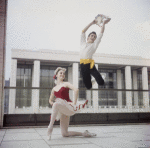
(57, 25)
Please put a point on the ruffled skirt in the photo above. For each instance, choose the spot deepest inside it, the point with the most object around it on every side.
(67, 108)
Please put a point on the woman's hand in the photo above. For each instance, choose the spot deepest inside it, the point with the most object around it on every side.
(51, 103)
(74, 103)
(51, 98)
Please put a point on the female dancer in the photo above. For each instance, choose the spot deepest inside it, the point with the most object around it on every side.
(63, 107)
(87, 50)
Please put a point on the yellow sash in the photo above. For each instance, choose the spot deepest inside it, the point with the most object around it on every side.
(87, 61)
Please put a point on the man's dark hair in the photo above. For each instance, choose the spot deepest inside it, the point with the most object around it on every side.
(93, 32)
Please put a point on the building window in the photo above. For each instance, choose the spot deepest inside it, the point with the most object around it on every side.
(149, 85)
(139, 86)
(46, 80)
(108, 98)
(123, 87)
(6, 100)
(82, 93)
(24, 79)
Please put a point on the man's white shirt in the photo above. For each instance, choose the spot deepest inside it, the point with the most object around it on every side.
(88, 49)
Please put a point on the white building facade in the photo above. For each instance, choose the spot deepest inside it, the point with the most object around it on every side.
(36, 69)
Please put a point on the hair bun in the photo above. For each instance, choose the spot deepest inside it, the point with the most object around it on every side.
(59, 68)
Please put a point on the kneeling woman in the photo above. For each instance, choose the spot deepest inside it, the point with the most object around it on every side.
(63, 107)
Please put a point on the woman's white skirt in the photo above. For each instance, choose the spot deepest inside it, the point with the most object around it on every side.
(67, 108)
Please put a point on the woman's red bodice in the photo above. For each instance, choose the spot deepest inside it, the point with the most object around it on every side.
(63, 93)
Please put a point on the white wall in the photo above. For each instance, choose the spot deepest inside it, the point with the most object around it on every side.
(74, 57)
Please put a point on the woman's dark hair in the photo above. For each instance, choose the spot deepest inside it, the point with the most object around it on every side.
(93, 32)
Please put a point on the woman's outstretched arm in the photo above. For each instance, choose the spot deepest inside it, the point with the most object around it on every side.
(51, 98)
(76, 90)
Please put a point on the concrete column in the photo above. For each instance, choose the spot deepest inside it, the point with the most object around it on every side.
(145, 87)
(12, 94)
(88, 97)
(75, 70)
(70, 80)
(119, 86)
(35, 83)
(95, 95)
(3, 5)
(135, 86)
(128, 86)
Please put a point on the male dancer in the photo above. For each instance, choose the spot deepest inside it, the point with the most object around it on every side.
(87, 50)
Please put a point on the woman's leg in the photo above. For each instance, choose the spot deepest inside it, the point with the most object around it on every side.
(97, 76)
(85, 72)
(55, 109)
(64, 124)
(62, 108)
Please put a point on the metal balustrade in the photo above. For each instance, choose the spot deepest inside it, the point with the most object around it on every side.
(21, 100)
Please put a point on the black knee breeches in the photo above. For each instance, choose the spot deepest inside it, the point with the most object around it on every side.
(86, 74)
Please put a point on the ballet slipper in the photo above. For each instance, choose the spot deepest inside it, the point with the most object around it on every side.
(88, 134)
(49, 137)
(49, 132)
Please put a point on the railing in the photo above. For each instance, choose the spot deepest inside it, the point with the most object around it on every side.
(23, 100)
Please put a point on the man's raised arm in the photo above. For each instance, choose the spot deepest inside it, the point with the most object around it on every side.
(87, 27)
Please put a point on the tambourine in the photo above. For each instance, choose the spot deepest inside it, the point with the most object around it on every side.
(99, 19)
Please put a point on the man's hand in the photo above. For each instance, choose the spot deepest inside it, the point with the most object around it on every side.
(94, 21)
(107, 20)
(87, 27)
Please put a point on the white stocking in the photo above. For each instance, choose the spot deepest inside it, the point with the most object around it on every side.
(55, 109)
(64, 123)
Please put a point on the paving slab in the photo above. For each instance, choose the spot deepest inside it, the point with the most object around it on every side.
(21, 136)
(1, 138)
(2, 133)
(108, 136)
(66, 141)
(25, 144)
(28, 130)
(77, 146)
(56, 131)
(112, 142)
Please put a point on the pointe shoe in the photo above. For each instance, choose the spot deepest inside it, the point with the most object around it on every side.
(49, 132)
(88, 134)
(86, 102)
(49, 137)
